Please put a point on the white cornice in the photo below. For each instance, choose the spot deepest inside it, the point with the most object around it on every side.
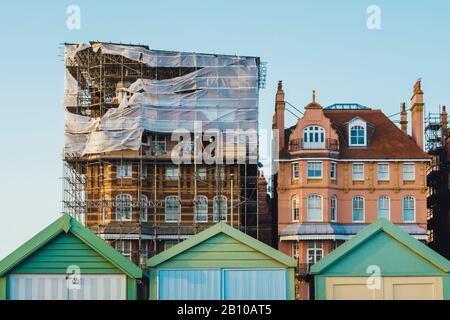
(354, 160)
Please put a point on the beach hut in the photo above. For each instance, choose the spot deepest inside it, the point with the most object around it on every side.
(66, 261)
(382, 262)
(221, 263)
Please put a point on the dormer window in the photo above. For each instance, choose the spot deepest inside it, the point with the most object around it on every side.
(313, 137)
(357, 133)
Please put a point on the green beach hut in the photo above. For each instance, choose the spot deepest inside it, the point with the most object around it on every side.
(382, 262)
(221, 263)
(67, 261)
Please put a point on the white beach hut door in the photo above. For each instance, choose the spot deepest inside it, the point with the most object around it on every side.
(258, 284)
(57, 287)
(226, 284)
(198, 284)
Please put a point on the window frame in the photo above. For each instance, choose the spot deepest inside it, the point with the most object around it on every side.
(202, 177)
(362, 172)
(143, 208)
(119, 207)
(333, 170)
(317, 133)
(196, 210)
(158, 140)
(295, 210)
(384, 197)
(357, 123)
(388, 173)
(295, 172)
(124, 174)
(413, 165)
(171, 177)
(363, 209)
(218, 216)
(120, 246)
(316, 248)
(413, 209)
(334, 199)
(314, 163)
(310, 197)
(172, 197)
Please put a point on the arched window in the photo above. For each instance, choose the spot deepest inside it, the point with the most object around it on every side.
(172, 209)
(124, 207)
(143, 208)
(333, 208)
(357, 133)
(294, 209)
(313, 137)
(201, 209)
(409, 209)
(219, 208)
(358, 209)
(384, 207)
(315, 208)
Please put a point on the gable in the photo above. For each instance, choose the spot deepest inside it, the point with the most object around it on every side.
(221, 234)
(383, 251)
(221, 250)
(61, 252)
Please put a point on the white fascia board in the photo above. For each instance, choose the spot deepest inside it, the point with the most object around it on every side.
(331, 237)
(315, 237)
(115, 236)
(355, 160)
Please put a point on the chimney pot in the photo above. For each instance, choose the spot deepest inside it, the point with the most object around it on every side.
(403, 118)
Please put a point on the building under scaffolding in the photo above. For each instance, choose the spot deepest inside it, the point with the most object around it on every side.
(438, 181)
(123, 104)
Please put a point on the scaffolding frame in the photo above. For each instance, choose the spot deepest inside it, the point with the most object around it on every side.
(438, 173)
(88, 179)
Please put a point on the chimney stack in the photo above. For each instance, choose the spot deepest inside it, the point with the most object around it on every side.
(404, 118)
(278, 121)
(444, 121)
(417, 105)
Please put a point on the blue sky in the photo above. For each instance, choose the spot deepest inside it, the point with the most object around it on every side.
(321, 45)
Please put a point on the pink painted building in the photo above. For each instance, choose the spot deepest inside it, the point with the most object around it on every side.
(342, 167)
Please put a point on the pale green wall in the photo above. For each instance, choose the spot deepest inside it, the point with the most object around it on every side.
(221, 251)
(63, 251)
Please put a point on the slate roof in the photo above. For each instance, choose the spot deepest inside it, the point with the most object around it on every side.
(385, 139)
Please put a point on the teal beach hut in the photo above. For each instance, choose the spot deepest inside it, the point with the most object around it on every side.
(221, 263)
(382, 262)
(67, 261)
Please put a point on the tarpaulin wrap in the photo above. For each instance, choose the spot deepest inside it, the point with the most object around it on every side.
(223, 94)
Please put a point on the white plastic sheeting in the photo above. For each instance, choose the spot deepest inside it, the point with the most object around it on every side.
(222, 94)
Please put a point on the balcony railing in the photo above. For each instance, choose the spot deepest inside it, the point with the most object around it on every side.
(328, 144)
